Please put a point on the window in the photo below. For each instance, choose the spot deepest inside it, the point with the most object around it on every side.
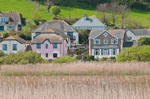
(74, 37)
(97, 41)
(54, 55)
(5, 47)
(46, 46)
(97, 52)
(55, 46)
(37, 34)
(70, 34)
(46, 55)
(105, 34)
(38, 46)
(114, 41)
(105, 41)
(14, 46)
(10, 27)
(105, 52)
(113, 51)
(129, 38)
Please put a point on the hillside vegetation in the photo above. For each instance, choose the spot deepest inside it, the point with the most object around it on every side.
(28, 9)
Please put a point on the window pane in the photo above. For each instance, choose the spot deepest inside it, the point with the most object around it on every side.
(54, 55)
(46, 54)
(37, 34)
(14, 46)
(38, 46)
(70, 34)
(46, 46)
(54, 45)
(4, 46)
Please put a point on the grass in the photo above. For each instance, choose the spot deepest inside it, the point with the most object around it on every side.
(27, 8)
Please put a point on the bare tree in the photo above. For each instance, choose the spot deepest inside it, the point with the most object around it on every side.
(103, 8)
(114, 9)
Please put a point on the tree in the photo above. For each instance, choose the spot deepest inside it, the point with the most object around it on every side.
(113, 9)
(103, 9)
(83, 36)
(56, 10)
(144, 41)
(49, 3)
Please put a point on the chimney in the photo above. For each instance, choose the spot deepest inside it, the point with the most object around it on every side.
(85, 16)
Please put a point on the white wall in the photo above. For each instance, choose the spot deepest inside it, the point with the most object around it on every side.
(130, 34)
(10, 46)
(76, 34)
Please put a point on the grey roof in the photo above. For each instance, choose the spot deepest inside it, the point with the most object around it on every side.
(141, 32)
(118, 33)
(22, 41)
(60, 25)
(88, 22)
(15, 18)
(52, 38)
(95, 33)
(105, 47)
(130, 44)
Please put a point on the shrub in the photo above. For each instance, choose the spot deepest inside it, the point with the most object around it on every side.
(23, 58)
(104, 59)
(133, 54)
(113, 58)
(65, 59)
(5, 35)
(144, 41)
(1, 53)
(88, 58)
(55, 10)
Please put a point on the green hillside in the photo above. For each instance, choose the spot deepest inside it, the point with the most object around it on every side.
(27, 9)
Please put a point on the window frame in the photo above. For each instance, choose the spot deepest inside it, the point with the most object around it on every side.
(3, 47)
(54, 46)
(13, 47)
(113, 39)
(46, 46)
(129, 37)
(46, 55)
(37, 46)
(95, 41)
(56, 55)
(104, 41)
(97, 52)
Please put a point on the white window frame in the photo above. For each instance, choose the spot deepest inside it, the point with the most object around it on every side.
(95, 41)
(97, 51)
(105, 52)
(104, 41)
(105, 34)
(129, 37)
(112, 41)
(114, 50)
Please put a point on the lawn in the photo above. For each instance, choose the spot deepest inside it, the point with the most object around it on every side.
(27, 9)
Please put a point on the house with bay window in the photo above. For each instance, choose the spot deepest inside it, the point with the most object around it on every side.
(10, 21)
(62, 27)
(50, 46)
(103, 43)
(14, 44)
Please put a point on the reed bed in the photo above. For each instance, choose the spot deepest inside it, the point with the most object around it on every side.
(75, 87)
(78, 67)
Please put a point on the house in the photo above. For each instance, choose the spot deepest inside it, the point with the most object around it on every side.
(62, 26)
(10, 21)
(132, 36)
(14, 44)
(50, 46)
(103, 43)
(91, 23)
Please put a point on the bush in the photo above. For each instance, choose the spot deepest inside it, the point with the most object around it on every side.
(5, 35)
(88, 58)
(65, 59)
(144, 41)
(23, 58)
(55, 10)
(104, 59)
(1, 53)
(133, 54)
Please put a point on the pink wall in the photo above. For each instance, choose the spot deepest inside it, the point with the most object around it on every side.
(61, 51)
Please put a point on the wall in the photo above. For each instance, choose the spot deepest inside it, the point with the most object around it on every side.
(60, 52)
(76, 34)
(10, 46)
(130, 34)
(93, 28)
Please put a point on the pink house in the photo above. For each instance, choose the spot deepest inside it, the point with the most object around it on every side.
(50, 46)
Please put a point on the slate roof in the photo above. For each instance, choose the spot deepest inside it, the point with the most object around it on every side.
(118, 33)
(141, 32)
(15, 18)
(91, 21)
(52, 38)
(22, 41)
(60, 25)
(106, 47)
(130, 44)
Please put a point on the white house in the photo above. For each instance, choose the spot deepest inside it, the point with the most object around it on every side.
(91, 23)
